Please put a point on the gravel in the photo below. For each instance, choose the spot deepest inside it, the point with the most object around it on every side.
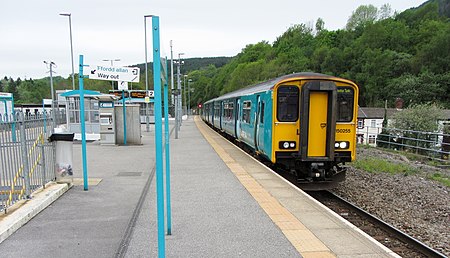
(413, 203)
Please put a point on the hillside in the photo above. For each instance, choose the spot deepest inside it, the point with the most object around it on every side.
(389, 55)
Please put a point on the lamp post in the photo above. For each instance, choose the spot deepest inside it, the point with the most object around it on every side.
(71, 46)
(146, 73)
(51, 64)
(189, 97)
(112, 64)
(180, 103)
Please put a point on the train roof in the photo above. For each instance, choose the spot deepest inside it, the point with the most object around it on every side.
(268, 85)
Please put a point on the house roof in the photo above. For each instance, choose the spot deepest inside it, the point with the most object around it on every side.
(368, 112)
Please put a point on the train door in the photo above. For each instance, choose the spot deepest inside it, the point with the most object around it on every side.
(221, 115)
(318, 120)
(238, 119)
(257, 122)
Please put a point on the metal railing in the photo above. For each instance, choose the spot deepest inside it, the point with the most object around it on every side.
(27, 158)
(431, 145)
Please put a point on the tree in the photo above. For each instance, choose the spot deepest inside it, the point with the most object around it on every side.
(320, 25)
(363, 15)
(385, 12)
(419, 118)
(12, 88)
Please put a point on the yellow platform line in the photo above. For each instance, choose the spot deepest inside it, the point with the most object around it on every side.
(306, 243)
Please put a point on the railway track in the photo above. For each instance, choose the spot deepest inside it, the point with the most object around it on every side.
(394, 239)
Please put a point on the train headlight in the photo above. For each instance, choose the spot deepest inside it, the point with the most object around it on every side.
(341, 145)
(287, 145)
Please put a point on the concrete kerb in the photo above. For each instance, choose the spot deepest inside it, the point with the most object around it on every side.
(23, 211)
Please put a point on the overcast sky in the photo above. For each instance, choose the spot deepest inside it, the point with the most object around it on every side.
(33, 31)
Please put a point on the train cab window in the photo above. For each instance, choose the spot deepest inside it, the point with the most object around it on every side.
(287, 103)
(345, 100)
(246, 108)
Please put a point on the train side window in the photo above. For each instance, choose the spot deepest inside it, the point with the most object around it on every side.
(287, 103)
(345, 99)
(230, 110)
(247, 105)
(261, 118)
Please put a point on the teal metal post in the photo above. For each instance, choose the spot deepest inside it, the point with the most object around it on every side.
(167, 137)
(124, 119)
(83, 126)
(158, 137)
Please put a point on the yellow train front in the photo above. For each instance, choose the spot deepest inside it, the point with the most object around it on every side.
(304, 123)
(314, 126)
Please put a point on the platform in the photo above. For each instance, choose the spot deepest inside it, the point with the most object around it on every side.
(224, 204)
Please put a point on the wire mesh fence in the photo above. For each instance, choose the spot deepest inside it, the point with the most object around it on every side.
(27, 158)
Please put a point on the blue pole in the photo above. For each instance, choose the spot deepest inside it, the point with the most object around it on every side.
(13, 114)
(166, 137)
(124, 119)
(158, 137)
(83, 127)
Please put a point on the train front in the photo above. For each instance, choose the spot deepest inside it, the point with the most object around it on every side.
(314, 129)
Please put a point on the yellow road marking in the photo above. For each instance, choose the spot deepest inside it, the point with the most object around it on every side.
(306, 243)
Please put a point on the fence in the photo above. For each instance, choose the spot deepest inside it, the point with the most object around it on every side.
(435, 146)
(27, 158)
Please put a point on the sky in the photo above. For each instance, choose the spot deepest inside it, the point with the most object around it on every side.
(32, 32)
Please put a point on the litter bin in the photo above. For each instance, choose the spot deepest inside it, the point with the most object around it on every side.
(64, 156)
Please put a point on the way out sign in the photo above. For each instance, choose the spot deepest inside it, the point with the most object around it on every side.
(110, 73)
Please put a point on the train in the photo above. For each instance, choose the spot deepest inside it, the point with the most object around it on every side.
(303, 123)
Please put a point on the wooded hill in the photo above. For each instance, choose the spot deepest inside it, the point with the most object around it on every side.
(389, 55)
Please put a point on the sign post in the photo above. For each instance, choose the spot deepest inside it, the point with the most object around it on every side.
(83, 126)
(158, 136)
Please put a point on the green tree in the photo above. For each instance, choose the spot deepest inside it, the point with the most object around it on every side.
(320, 25)
(420, 117)
(12, 88)
(385, 12)
(363, 15)
(33, 92)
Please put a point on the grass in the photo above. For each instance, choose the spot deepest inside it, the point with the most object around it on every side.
(440, 178)
(375, 165)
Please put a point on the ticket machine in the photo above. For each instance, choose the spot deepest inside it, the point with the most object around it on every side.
(107, 123)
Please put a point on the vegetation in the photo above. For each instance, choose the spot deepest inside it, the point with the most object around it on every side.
(376, 165)
(404, 55)
(445, 180)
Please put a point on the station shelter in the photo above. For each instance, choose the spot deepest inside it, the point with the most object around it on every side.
(6, 106)
(91, 112)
